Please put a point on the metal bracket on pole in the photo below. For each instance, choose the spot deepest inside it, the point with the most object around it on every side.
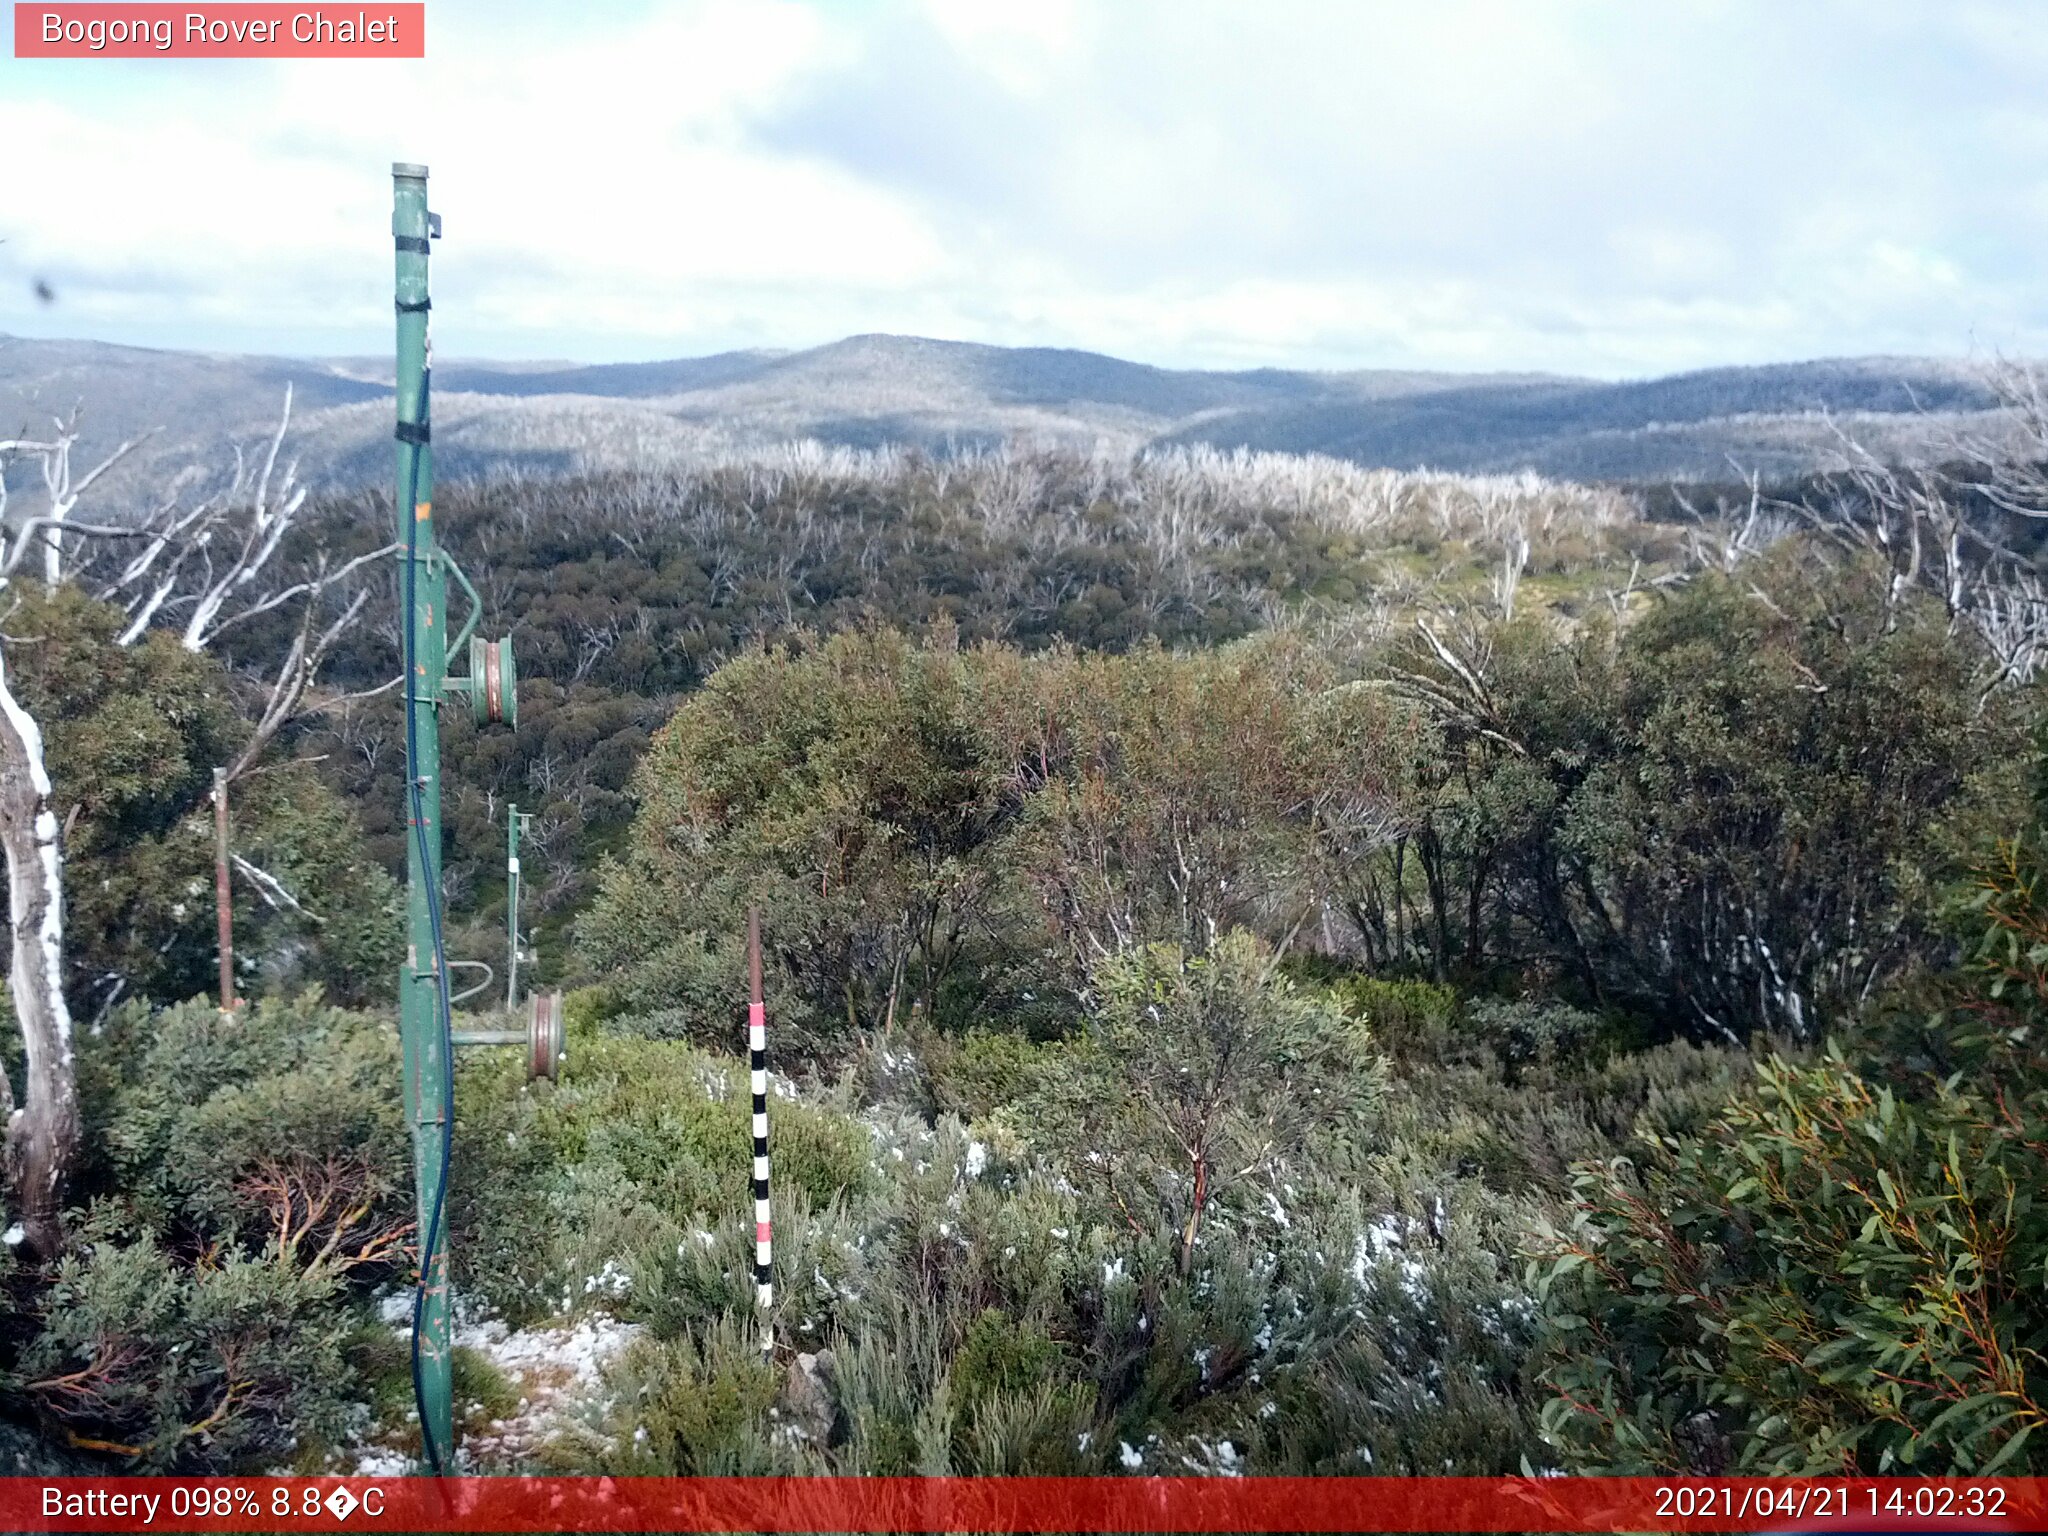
(492, 686)
(515, 823)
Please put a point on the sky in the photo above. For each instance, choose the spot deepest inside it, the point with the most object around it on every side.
(1598, 187)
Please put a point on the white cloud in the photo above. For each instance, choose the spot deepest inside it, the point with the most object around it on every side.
(1020, 43)
(1499, 183)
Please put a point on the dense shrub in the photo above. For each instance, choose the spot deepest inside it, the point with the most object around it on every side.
(133, 735)
(147, 1355)
(569, 1192)
(1722, 819)
(624, 592)
(252, 1185)
(850, 790)
(1790, 776)
(1205, 1078)
(965, 832)
(697, 1407)
(977, 1073)
(988, 1301)
(1173, 1048)
(1841, 1271)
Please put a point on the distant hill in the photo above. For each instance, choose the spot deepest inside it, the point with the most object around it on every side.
(867, 390)
(1689, 424)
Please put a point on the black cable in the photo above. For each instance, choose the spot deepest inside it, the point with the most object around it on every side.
(410, 514)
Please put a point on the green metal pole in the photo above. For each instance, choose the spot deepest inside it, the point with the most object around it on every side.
(419, 982)
(512, 906)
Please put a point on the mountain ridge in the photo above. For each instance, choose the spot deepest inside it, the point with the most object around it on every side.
(876, 388)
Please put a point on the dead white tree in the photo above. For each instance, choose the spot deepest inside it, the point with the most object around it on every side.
(42, 1131)
(1939, 531)
(206, 568)
(41, 1135)
(1943, 532)
(61, 490)
(2014, 458)
(1507, 581)
(1723, 539)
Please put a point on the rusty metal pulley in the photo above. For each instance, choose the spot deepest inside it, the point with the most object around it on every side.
(493, 682)
(544, 1036)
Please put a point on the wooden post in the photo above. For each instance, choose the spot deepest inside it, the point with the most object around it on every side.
(223, 891)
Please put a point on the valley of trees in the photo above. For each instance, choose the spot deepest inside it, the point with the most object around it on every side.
(1273, 967)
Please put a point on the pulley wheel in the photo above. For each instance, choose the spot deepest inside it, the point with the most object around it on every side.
(544, 1036)
(493, 682)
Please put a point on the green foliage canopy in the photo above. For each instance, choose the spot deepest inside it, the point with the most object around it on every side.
(1843, 1272)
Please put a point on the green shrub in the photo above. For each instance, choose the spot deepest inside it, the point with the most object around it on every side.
(986, 1069)
(1841, 1271)
(895, 1393)
(482, 1392)
(692, 1407)
(641, 1143)
(280, 1123)
(1523, 1033)
(677, 1124)
(253, 1185)
(379, 1358)
(1045, 1428)
(1833, 1279)
(1412, 1021)
(1003, 1354)
(171, 1365)
(1674, 1089)
(586, 1009)
(134, 733)
(1203, 1078)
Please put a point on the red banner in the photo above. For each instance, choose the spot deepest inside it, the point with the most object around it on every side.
(991, 1504)
(253, 31)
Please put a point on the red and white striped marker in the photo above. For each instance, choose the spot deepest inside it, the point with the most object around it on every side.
(757, 1062)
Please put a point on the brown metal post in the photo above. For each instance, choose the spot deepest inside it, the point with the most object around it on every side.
(754, 996)
(223, 892)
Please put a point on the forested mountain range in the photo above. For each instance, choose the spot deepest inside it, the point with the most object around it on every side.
(864, 391)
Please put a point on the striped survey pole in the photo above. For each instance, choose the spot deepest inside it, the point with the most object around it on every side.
(757, 1061)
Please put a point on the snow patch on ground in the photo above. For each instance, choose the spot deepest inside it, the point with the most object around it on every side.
(555, 1371)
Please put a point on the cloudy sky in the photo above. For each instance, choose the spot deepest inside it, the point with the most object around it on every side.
(1606, 188)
